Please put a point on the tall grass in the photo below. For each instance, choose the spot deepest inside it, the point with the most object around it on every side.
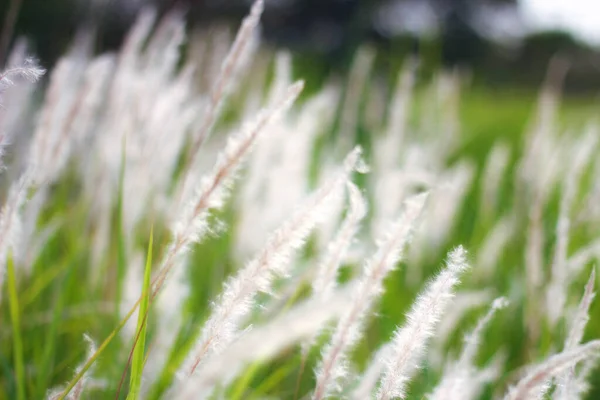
(148, 253)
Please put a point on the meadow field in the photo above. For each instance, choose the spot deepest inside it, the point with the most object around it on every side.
(181, 221)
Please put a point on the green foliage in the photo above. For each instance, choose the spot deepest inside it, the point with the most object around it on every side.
(137, 364)
(52, 307)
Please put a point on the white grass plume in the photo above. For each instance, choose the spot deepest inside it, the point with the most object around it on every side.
(77, 391)
(536, 178)
(556, 293)
(52, 142)
(473, 341)
(30, 70)
(582, 315)
(192, 225)
(265, 341)
(463, 302)
(233, 62)
(325, 280)
(10, 216)
(15, 105)
(237, 299)
(410, 340)
(162, 52)
(332, 367)
(570, 385)
(461, 379)
(284, 158)
(446, 198)
(10, 221)
(535, 383)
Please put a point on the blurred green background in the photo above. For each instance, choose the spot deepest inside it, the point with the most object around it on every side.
(486, 37)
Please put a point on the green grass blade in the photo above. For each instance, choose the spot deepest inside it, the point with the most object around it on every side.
(41, 282)
(98, 352)
(244, 382)
(272, 380)
(105, 344)
(137, 365)
(16, 326)
(63, 292)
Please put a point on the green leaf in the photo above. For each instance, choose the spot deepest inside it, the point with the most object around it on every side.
(137, 364)
(100, 350)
